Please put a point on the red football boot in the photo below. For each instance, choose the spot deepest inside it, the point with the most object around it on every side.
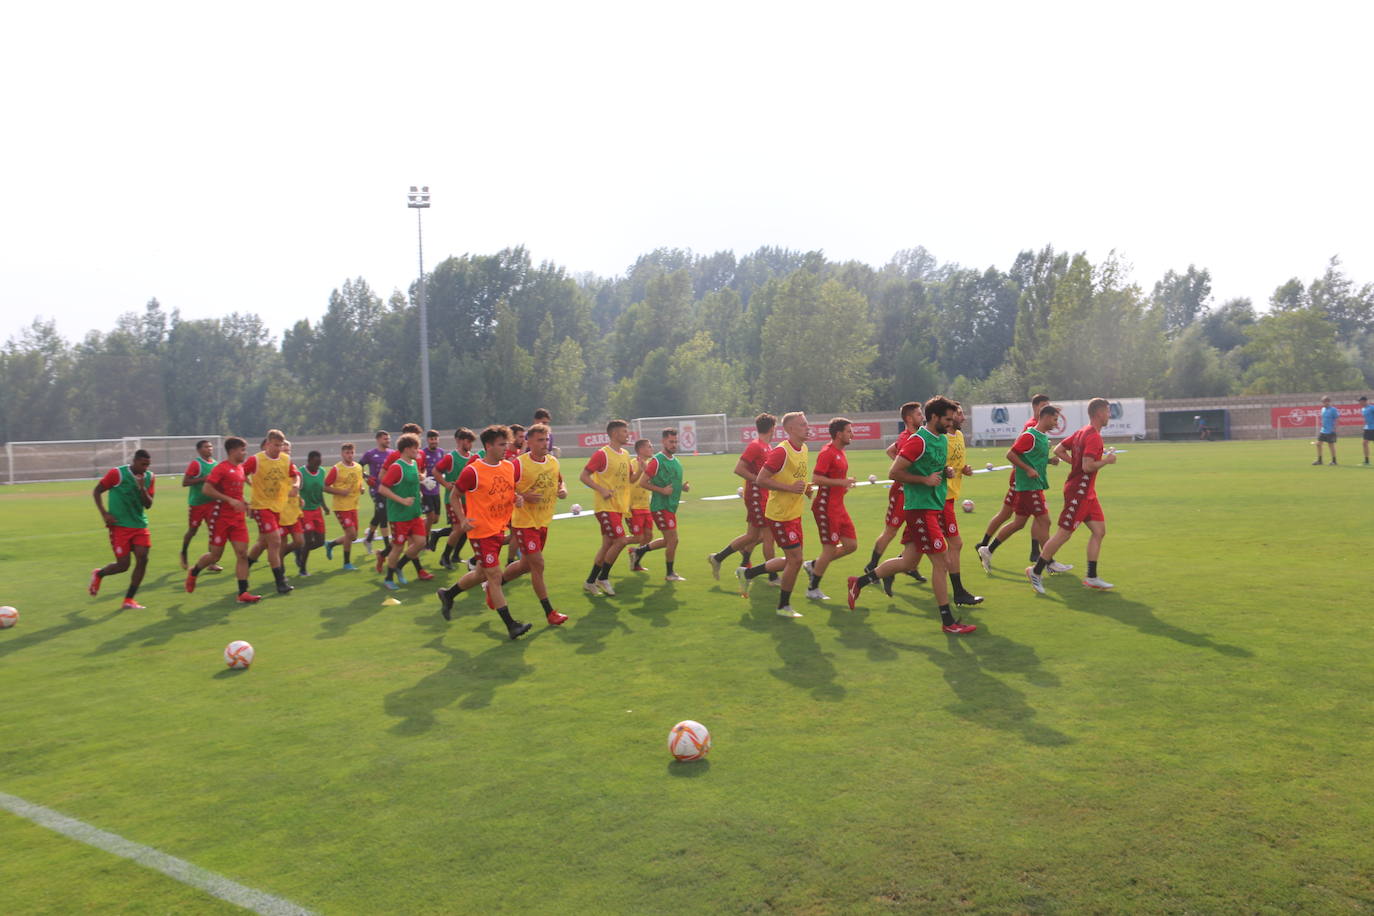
(190, 583)
(959, 628)
(556, 619)
(424, 575)
(246, 598)
(95, 582)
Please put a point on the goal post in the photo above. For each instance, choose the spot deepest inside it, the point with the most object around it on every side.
(698, 434)
(86, 459)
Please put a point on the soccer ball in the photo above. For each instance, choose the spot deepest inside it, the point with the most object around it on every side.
(8, 617)
(990, 465)
(689, 740)
(238, 654)
(968, 505)
(872, 478)
(576, 508)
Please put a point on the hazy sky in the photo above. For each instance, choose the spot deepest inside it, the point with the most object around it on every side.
(252, 157)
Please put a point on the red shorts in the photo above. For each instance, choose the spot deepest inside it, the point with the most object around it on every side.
(201, 513)
(1080, 509)
(1030, 502)
(268, 521)
(835, 527)
(347, 519)
(786, 534)
(124, 540)
(665, 520)
(228, 526)
(488, 550)
(896, 515)
(925, 529)
(297, 528)
(1010, 499)
(530, 540)
(949, 521)
(413, 528)
(612, 524)
(755, 502)
(313, 520)
(641, 522)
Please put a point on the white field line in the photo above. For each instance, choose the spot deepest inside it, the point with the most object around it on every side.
(177, 869)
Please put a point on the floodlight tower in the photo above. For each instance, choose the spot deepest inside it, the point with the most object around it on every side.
(418, 200)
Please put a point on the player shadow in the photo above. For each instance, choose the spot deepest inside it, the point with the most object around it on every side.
(226, 673)
(592, 628)
(1135, 614)
(338, 620)
(688, 769)
(171, 624)
(466, 679)
(805, 665)
(982, 698)
(661, 603)
(853, 631)
(76, 620)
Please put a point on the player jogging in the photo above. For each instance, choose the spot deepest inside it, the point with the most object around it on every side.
(832, 480)
(1009, 501)
(756, 529)
(447, 471)
(227, 522)
(273, 478)
(896, 498)
(663, 479)
(131, 496)
(958, 470)
(313, 509)
(1327, 420)
(199, 506)
(1080, 497)
(405, 513)
(641, 519)
(922, 469)
(1030, 456)
(429, 489)
(292, 518)
(607, 473)
(372, 461)
(785, 473)
(540, 484)
(491, 498)
(345, 483)
(1367, 411)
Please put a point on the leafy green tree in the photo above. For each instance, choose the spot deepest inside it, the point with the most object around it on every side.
(34, 367)
(816, 349)
(1296, 351)
(1228, 327)
(1183, 297)
(1196, 368)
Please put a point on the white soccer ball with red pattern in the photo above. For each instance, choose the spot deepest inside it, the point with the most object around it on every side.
(967, 505)
(990, 465)
(689, 740)
(872, 478)
(576, 509)
(238, 654)
(739, 491)
(8, 617)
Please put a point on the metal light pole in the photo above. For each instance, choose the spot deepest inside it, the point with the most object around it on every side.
(418, 200)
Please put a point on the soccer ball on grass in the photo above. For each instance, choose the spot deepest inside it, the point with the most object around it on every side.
(689, 740)
(8, 617)
(238, 654)
(576, 508)
(968, 505)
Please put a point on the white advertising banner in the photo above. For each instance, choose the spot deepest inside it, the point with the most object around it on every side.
(1004, 421)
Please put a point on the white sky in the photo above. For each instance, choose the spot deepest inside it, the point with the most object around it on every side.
(251, 157)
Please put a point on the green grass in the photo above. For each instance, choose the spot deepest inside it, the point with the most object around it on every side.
(1196, 741)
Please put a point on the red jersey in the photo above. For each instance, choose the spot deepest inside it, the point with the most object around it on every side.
(834, 463)
(754, 455)
(467, 477)
(1085, 443)
(393, 455)
(228, 478)
(1011, 478)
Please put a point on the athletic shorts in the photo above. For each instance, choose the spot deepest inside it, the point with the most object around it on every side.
(201, 513)
(430, 501)
(488, 550)
(227, 527)
(641, 522)
(834, 527)
(925, 529)
(531, 540)
(268, 521)
(755, 502)
(896, 498)
(612, 524)
(949, 521)
(378, 510)
(788, 534)
(297, 528)
(347, 518)
(1010, 499)
(665, 520)
(413, 528)
(1327, 437)
(313, 520)
(1030, 503)
(1080, 509)
(124, 540)
(1369, 435)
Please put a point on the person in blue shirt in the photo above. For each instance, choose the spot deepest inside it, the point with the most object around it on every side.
(1327, 418)
(1367, 411)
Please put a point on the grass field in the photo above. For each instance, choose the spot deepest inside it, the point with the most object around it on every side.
(1197, 741)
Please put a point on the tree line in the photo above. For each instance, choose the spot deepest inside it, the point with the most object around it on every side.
(682, 333)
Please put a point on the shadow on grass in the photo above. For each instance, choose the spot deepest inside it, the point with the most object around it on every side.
(76, 620)
(337, 621)
(853, 631)
(804, 664)
(589, 631)
(225, 673)
(173, 623)
(466, 679)
(661, 603)
(982, 698)
(1135, 614)
(688, 769)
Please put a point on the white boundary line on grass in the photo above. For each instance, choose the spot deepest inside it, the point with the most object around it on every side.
(177, 869)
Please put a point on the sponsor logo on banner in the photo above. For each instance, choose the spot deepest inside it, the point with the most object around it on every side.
(819, 431)
(1303, 417)
(1005, 421)
(593, 440)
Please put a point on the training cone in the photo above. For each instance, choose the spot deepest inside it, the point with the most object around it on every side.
(390, 602)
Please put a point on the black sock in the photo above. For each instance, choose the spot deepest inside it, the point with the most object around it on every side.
(957, 581)
(993, 545)
(348, 554)
(772, 576)
(548, 607)
(946, 617)
(744, 556)
(1092, 569)
(591, 576)
(443, 557)
(754, 572)
(462, 539)
(386, 545)
(867, 578)
(669, 565)
(243, 586)
(815, 581)
(415, 561)
(442, 532)
(195, 571)
(452, 591)
(390, 573)
(1041, 563)
(722, 554)
(605, 571)
(984, 541)
(1035, 550)
(875, 559)
(279, 573)
(783, 597)
(129, 595)
(506, 617)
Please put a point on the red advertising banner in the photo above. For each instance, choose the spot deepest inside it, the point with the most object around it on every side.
(820, 431)
(1306, 417)
(593, 440)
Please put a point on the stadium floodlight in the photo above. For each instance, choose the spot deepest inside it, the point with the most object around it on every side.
(418, 200)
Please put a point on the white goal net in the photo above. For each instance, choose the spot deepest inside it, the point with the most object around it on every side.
(87, 459)
(698, 434)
